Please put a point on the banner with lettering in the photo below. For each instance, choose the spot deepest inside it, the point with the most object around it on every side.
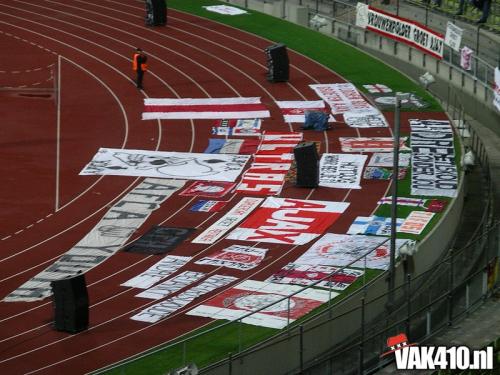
(341, 171)
(238, 257)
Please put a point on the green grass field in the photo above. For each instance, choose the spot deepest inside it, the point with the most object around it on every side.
(212, 344)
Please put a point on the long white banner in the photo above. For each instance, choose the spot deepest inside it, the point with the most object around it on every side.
(434, 172)
(235, 256)
(105, 239)
(401, 29)
(172, 285)
(341, 171)
(181, 165)
(341, 97)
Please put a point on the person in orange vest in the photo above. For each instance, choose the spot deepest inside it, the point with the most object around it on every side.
(139, 65)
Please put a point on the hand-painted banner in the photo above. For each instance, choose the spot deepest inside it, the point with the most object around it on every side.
(381, 173)
(434, 172)
(377, 225)
(239, 257)
(416, 222)
(206, 108)
(225, 9)
(377, 88)
(155, 313)
(172, 285)
(401, 29)
(496, 89)
(288, 221)
(341, 97)
(245, 127)
(232, 146)
(307, 274)
(341, 171)
(386, 159)
(252, 295)
(159, 271)
(211, 189)
(240, 211)
(343, 250)
(185, 166)
(105, 239)
(208, 206)
(374, 144)
(294, 111)
(401, 201)
(370, 118)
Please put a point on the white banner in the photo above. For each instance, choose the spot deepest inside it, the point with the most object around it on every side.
(369, 118)
(416, 222)
(496, 89)
(225, 9)
(252, 295)
(434, 172)
(401, 29)
(453, 36)
(466, 58)
(342, 250)
(376, 225)
(240, 211)
(341, 171)
(161, 310)
(288, 221)
(160, 270)
(372, 144)
(172, 285)
(238, 257)
(341, 97)
(386, 159)
(181, 165)
(105, 239)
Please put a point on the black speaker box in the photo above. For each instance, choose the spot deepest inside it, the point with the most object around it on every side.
(307, 162)
(156, 12)
(277, 63)
(71, 304)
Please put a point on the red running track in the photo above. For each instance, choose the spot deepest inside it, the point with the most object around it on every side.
(47, 207)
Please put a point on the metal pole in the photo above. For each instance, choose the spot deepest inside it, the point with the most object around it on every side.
(361, 344)
(394, 202)
(301, 352)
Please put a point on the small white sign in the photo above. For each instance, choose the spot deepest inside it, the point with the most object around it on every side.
(453, 36)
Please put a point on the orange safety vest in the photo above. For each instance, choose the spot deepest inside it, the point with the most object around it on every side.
(144, 67)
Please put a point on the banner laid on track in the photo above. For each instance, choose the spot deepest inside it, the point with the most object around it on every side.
(386, 159)
(161, 310)
(345, 250)
(105, 239)
(238, 257)
(172, 285)
(159, 240)
(252, 295)
(210, 189)
(245, 127)
(416, 222)
(232, 146)
(341, 97)
(294, 111)
(369, 118)
(307, 274)
(205, 108)
(288, 221)
(401, 29)
(373, 144)
(208, 206)
(181, 165)
(240, 211)
(159, 271)
(376, 225)
(341, 171)
(434, 172)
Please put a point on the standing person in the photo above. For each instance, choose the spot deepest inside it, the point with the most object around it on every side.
(139, 65)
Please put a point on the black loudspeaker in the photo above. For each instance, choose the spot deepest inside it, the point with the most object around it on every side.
(307, 162)
(277, 63)
(156, 12)
(71, 304)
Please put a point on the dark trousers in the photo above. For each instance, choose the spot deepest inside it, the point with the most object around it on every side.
(140, 75)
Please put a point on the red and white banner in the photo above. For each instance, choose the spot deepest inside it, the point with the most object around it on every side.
(353, 251)
(206, 108)
(172, 285)
(466, 58)
(240, 211)
(341, 171)
(496, 89)
(294, 111)
(305, 274)
(244, 127)
(211, 189)
(376, 144)
(416, 222)
(160, 270)
(238, 257)
(401, 29)
(252, 295)
(377, 88)
(288, 221)
(341, 97)
(163, 309)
